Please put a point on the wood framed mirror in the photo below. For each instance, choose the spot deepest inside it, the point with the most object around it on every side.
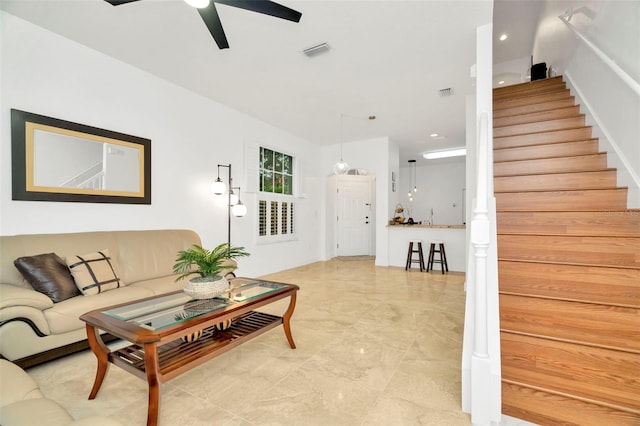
(58, 160)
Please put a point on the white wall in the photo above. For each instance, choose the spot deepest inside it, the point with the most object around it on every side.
(614, 27)
(47, 74)
(440, 184)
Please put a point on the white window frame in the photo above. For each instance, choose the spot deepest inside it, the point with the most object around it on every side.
(280, 199)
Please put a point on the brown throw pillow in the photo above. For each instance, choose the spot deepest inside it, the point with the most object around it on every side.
(94, 272)
(48, 274)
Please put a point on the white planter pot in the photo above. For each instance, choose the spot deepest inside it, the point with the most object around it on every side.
(206, 287)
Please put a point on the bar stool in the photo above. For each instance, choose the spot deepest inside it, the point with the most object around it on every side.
(410, 259)
(432, 255)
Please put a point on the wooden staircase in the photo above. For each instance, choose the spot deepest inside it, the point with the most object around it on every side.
(569, 265)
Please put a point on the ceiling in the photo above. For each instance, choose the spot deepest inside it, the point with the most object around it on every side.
(387, 58)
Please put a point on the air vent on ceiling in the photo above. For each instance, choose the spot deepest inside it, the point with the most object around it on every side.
(316, 50)
(446, 92)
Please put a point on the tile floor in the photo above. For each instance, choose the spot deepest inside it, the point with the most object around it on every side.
(375, 346)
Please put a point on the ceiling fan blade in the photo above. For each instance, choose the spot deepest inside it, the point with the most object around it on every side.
(119, 2)
(265, 7)
(211, 19)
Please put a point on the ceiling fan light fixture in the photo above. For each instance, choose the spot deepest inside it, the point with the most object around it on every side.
(200, 4)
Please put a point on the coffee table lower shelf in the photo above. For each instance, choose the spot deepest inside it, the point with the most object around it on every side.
(177, 356)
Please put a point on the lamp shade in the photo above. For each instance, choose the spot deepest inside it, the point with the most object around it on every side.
(239, 209)
(218, 187)
(340, 167)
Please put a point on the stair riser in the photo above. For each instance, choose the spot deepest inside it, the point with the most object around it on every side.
(530, 100)
(528, 85)
(546, 151)
(543, 126)
(601, 199)
(543, 106)
(597, 251)
(543, 408)
(580, 134)
(580, 180)
(608, 224)
(579, 323)
(551, 165)
(535, 90)
(590, 284)
(531, 117)
(577, 370)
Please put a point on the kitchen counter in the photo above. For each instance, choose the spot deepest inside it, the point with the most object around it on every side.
(416, 225)
(453, 236)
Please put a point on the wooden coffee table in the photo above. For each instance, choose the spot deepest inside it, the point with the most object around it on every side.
(156, 325)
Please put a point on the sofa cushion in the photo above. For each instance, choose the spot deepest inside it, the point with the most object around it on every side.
(16, 384)
(160, 285)
(94, 272)
(48, 274)
(40, 411)
(64, 317)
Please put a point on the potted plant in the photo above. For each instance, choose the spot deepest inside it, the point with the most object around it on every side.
(208, 265)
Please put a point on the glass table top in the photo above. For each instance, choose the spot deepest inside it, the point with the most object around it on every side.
(171, 309)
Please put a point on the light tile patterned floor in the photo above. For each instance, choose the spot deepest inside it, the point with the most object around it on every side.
(375, 346)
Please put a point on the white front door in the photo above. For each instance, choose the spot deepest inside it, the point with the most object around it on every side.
(354, 217)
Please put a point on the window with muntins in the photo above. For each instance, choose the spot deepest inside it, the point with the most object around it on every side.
(275, 201)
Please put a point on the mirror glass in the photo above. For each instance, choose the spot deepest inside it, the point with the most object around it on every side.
(56, 160)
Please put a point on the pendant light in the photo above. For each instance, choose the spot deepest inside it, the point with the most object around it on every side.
(341, 167)
(412, 178)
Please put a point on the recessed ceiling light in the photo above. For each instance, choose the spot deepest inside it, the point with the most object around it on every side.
(503, 37)
(501, 82)
(444, 154)
(434, 135)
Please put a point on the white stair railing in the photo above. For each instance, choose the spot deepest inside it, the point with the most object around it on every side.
(481, 375)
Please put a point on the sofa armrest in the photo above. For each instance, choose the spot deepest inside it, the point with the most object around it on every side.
(11, 295)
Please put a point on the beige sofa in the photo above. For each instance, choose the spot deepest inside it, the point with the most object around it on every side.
(34, 329)
(22, 403)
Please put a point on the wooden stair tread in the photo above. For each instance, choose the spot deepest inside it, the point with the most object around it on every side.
(539, 107)
(575, 322)
(532, 91)
(547, 408)
(543, 144)
(623, 223)
(531, 99)
(584, 283)
(564, 157)
(550, 150)
(557, 190)
(565, 262)
(527, 84)
(621, 252)
(566, 135)
(614, 386)
(531, 117)
(566, 123)
(583, 162)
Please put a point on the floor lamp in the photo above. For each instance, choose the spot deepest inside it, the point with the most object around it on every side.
(234, 205)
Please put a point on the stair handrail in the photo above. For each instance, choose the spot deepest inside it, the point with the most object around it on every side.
(634, 85)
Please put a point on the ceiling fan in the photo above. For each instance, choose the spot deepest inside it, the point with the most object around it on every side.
(209, 14)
